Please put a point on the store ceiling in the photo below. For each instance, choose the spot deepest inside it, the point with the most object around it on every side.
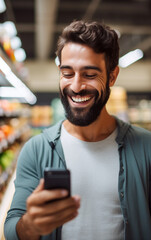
(39, 22)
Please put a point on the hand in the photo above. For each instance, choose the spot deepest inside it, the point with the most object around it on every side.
(44, 216)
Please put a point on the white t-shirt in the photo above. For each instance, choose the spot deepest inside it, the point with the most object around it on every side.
(94, 170)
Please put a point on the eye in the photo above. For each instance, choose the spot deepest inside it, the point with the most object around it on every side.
(90, 76)
(67, 75)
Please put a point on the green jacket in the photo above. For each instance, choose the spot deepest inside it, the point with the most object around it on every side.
(45, 150)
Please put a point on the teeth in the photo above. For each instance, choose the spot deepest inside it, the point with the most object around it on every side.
(81, 99)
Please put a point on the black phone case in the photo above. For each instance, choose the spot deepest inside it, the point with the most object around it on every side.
(57, 179)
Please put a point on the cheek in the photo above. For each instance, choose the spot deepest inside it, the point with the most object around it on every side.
(99, 85)
(63, 83)
(102, 83)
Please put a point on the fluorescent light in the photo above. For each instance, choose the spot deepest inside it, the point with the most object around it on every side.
(4, 67)
(118, 33)
(9, 92)
(15, 42)
(17, 83)
(2, 6)
(10, 28)
(130, 58)
(20, 54)
(57, 62)
(25, 91)
(12, 92)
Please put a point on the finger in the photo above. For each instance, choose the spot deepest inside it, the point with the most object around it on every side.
(40, 187)
(56, 220)
(54, 207)
(61, 205)
(42, 197)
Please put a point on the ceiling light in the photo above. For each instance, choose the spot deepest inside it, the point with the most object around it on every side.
(10, 92)
(118, 33)
(130, 58)
(2, 6)
(4, 67)
(17, 83)
(15, 42)
(23, 89)
(20, 54)
(10, 28)
(57, 62)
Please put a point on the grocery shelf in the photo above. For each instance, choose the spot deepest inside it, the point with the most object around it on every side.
(5, 143)
(7, 188)
(24, 112)
(5, 204)
(7, 173)
(15, 128)
(6, 114)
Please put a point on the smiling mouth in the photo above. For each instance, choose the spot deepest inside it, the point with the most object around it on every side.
(80, 99)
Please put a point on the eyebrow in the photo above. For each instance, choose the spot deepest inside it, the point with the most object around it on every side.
(83, 68)
(92, 67)
(65, 67)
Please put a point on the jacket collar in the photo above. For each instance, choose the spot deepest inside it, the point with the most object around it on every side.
(122, 130)
(53, 133)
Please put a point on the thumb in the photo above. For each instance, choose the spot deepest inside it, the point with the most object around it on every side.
(40, 186)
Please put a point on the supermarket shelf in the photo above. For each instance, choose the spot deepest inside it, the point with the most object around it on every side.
(20, 113)
(7, 173)
(9, 176)
(5, 143)
(6, 58)
(5, 204)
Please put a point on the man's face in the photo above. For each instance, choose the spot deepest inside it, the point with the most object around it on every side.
(84, 89)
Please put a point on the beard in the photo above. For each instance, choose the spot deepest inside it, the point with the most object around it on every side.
(84, 116)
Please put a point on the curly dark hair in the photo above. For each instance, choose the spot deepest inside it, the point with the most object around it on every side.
(99, 37)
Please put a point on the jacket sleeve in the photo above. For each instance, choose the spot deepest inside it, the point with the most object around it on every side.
(150, 181)
(26, 181)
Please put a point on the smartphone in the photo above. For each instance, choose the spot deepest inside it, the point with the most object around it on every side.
(57, 179)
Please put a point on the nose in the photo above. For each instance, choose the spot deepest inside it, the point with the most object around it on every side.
(77, 84)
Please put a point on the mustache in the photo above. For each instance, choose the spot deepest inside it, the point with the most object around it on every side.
(70, 93)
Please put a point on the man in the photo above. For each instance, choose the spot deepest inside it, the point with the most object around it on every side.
(110, 161)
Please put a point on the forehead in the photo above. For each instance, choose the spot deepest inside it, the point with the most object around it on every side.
(79, 55)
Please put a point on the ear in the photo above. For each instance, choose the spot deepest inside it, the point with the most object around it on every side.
(113, 76)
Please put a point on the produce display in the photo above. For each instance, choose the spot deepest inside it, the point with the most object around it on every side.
(14, 130)
(7, 166)
(41, 117)
(15, 114)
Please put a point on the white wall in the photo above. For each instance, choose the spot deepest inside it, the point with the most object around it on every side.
(136, 77)
(44, 76)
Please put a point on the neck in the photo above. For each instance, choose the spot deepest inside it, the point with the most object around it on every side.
(96, 131)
